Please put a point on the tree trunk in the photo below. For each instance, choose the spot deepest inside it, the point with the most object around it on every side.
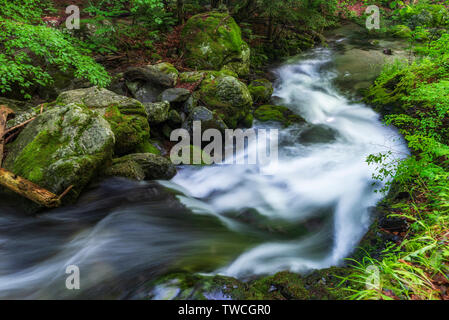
(28, 189)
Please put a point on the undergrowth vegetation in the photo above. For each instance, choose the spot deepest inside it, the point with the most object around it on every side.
(414, 96)
(29, 49)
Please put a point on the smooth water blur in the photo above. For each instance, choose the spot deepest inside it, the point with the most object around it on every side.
(310, 214)
(330, 180)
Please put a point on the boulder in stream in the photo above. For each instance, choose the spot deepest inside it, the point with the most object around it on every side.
(64, 146)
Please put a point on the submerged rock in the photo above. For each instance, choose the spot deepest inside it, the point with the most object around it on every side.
(127, 116)
(214, 41)
(142, 166)
(63, 146)
(227, 96)
(280, 114)
(318, 134)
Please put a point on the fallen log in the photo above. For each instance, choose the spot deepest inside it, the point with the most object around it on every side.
(5, 114)
(30, 190)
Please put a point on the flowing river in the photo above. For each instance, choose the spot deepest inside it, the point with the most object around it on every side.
(230, 220)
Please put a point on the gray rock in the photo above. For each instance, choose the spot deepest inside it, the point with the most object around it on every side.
(174, 95)
(209, 120)
(147, 83)
(144, 91)
(157, 112)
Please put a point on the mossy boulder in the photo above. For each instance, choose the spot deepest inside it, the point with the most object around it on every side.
(279, 114)
(227, 97)
(127, 116)
(142, 166)
(213, 41)
(64, 146)
(261, 90)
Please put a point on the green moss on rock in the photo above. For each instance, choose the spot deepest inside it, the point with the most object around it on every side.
(63, 146)
(319, 285)
(127, 117)
(131, 131)
(261, 90)
(212, 41)
(280, 114)
(227, 96)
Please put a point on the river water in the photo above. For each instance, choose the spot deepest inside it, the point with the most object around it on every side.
(233, 220)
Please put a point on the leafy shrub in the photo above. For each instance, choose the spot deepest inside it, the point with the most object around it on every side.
(27, 50)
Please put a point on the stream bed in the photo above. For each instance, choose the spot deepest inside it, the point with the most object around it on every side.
(229, 220)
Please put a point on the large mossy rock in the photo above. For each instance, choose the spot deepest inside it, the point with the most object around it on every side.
(127, 116)
(227, 97)
(142, 166)
(213, 41)
(64, 146)
(279, 114)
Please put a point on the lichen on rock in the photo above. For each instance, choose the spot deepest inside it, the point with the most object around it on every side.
(127, 116)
